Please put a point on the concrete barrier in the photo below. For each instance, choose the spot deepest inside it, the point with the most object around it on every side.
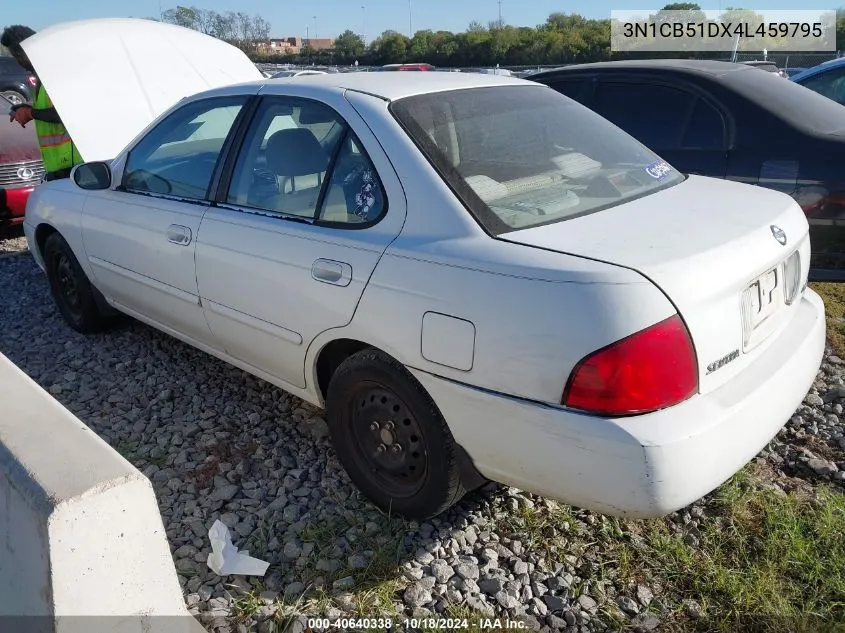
(80, 529)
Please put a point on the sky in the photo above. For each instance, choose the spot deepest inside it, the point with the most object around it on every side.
(289, 18)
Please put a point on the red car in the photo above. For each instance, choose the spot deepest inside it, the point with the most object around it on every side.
(20, 167)
(406, 67)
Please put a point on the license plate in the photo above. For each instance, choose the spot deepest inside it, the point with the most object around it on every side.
(760, 301)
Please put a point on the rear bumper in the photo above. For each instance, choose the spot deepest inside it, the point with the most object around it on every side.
(643, 466)
(15, 203)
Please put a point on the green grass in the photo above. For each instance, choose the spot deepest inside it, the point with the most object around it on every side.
(375, 586)
(158, 461)
(775, 562)
(260, 539)
(127, 450)
(834, 303)
(247, 606)
(543, 530)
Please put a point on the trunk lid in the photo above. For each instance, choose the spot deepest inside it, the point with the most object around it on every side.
(144, 68)
(710, 246)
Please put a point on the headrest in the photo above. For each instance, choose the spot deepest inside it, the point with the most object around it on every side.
(295, 152)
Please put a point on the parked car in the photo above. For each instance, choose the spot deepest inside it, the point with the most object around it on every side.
(828, 79)
(297, 73)
(20, 167)
(728, 121)
(791, 72)
(504, 72)
(16, 84)
(476, 276)
(769, 67)
(405, 67)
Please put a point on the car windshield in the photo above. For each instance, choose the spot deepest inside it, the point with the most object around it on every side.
(522, 156)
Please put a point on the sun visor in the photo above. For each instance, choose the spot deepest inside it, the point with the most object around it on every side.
(111, 78)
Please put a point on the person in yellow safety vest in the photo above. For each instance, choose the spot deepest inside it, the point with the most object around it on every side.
(58, 152)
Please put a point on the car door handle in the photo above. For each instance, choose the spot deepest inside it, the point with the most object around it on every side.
(332, 272)
(178, 234)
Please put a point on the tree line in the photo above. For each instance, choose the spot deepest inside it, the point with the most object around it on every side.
(236, 27)
(562, 39)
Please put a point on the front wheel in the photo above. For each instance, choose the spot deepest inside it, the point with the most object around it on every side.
(70, 288)
(391, 438)
(14, 97)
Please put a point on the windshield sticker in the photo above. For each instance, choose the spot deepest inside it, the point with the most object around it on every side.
(365, 199)
(659, 170)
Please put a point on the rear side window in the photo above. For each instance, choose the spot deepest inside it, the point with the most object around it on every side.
(578, 89)
(300, 159)
(654, 114)
(705, 129)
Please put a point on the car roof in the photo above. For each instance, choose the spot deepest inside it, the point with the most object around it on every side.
(819, 69)
(785, 99)
(692, 66)
(390, 86)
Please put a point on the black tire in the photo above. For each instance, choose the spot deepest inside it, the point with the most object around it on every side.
(421, 478)
(70, 288)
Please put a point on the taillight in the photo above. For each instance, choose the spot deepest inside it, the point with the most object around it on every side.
(32, 80)
(649, 370)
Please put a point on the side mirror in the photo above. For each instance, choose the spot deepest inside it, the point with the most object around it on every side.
(92, 176)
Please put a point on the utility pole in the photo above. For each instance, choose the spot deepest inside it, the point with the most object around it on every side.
(500, 14)
(315, 27)
(364, 24)
(410, 21)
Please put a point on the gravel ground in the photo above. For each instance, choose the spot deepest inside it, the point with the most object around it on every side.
(12, 246)
(217, 443)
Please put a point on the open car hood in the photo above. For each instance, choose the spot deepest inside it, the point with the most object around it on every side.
(110, 78)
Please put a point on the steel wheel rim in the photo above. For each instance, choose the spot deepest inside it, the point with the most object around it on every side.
(67, 287)
(388, 441)
(13, 98)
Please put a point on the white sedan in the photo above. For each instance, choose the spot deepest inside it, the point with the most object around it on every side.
(477, 277)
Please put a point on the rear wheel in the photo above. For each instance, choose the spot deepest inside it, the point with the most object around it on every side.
(14, 97)
(70, 288)
(391, 438)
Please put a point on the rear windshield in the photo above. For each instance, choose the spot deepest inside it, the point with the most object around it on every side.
(798, 106)
(522, 156)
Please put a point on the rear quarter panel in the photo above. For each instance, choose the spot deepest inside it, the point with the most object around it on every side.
(531, 325)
